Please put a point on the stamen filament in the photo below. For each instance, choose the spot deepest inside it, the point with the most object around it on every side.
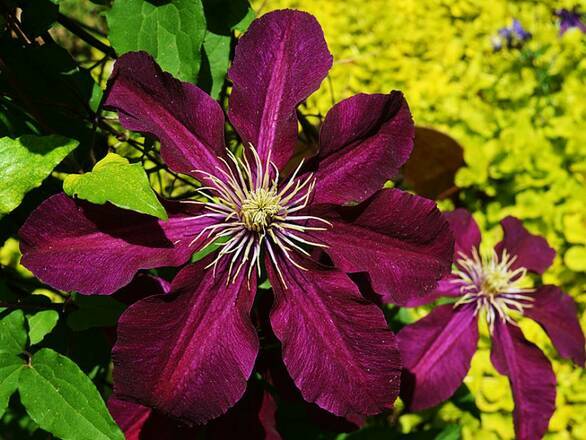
(492, 285)
(255, 211)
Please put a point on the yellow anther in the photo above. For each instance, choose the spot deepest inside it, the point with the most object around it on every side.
(259, 208)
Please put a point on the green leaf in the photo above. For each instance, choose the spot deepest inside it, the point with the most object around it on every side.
(115, 180)
(171, 31)
(94, 311)
(215, 63)
(202, 253)
(223, 17)
(12, 332)
(265, 285)
(40, 324)
(27, 161)
(245, 21)
(63, 400)
(10, 368)
(450, 432)
(96, 99)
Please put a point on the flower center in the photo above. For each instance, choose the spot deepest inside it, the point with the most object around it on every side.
(259, 209)
(494, 281)
(492, 285)
(253, 211)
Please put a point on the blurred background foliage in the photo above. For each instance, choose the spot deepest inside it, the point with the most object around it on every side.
(518, 113)
(520, 116)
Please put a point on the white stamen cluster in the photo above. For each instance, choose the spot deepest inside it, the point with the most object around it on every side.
(492, 285)
(254, 211)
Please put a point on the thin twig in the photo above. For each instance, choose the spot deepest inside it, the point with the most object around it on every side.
(16, 306)
(308, 128)
(73, 27)
(121, 136)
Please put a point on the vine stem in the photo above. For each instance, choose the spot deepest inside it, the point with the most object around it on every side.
(121, 136)
(17, 306)
(76, 29)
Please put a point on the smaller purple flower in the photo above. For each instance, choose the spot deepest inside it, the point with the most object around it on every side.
(519, 31)
(512, 36)
(437, 349)
(570, 19)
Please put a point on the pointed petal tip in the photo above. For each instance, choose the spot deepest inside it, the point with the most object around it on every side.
(345, 367)
(436, 352)
(290, 57)
(531, 377)
(73, 245)
(557, 313)
(532, 251)
(364, 141)
(187, 121)
(402, 241)
(189, 353)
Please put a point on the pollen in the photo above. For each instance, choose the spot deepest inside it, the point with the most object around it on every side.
(492, 285)
(259, 209)
(495, 281)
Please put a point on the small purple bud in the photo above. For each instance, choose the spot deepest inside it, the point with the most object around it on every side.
(520, 31)
(570, 19)
(514, 36)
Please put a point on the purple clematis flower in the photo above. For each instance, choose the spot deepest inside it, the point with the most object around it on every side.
(189, 353)
(570, 19)
(437, 349)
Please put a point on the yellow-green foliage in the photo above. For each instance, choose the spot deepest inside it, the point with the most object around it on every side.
(520, 116)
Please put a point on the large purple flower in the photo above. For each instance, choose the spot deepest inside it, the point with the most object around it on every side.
(437, 349)
(190, 353)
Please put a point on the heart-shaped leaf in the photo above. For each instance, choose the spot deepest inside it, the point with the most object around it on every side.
(115, 180)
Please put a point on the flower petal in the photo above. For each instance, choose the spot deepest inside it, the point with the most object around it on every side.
(279, 61)
(402, 241)
(557, 313)
(93, 249)
(268, 417)
(140, 287)
(190, 353)
(532, 251)
(466, 232)
(364, 140)
(445, 288)
(188, 122)
(131, 417)
(436, 353)
(336, 345)
(531, 377)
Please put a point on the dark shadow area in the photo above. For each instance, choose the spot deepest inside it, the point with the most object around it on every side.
(132, 227)
(223, 15)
